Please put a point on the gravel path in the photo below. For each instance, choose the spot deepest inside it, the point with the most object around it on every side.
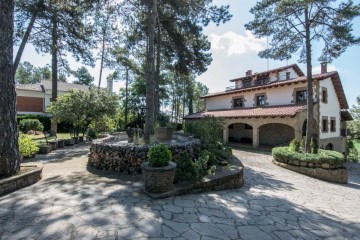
(76, 202)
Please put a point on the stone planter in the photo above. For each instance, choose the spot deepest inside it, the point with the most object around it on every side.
(158, 179)
(164, 134)
(45, 149)
(76, 140)
(69, 142)
(80, 139)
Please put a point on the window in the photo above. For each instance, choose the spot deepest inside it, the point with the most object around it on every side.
(332, 125)
(324, 125)
(238, 102)
(324, 96)
(301, 96)
(260, 100)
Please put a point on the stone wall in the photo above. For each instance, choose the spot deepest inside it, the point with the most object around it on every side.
(329, 172)
(275, 134)
(339, 143)
(107, 154)
(17, 182)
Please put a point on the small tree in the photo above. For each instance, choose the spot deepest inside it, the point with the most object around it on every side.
(81, 108)
(296, 25)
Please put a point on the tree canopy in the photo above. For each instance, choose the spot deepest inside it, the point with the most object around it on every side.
(83, 76)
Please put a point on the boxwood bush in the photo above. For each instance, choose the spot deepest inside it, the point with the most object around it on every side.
(26, 125)
(27, 147)
(284, 154)
(159, 155)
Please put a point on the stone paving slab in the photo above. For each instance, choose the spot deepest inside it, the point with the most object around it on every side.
(76, 202)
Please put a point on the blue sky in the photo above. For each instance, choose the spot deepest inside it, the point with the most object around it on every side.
(234, 51)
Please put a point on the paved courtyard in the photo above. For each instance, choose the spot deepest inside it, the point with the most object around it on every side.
(73, 202)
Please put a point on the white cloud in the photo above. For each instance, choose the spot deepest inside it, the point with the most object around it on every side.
(330, 68)
(236, 44)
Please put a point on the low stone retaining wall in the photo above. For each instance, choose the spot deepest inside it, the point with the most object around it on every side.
(20, 181)
(225, 178)
(107, 154)
(336, 173)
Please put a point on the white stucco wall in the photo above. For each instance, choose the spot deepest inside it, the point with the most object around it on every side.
(329, 109)
(29, 93)
(275, 96)
(48, 97)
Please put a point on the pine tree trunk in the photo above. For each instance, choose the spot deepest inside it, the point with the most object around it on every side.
(126, 95)
(149, 118)
(157, 76)
(24, 41)
(102, 60)
(310, 103)
(54, 65)
(9, 149)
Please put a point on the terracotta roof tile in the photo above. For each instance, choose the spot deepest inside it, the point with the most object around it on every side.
(271, 111)
(294, 66)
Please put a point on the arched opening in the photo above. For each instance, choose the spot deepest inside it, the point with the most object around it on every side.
(240, 133)
(329, 146)
(314, 128)
(276, 134)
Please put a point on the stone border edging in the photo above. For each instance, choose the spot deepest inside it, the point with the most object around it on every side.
(17, 182)
(325, 171)
(226, 179)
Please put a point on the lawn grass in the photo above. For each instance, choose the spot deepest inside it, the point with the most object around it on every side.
(40, 139)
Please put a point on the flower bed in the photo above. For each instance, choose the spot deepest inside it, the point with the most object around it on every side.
(326, 165)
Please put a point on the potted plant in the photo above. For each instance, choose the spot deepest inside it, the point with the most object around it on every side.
(44, 149)
(159, 171)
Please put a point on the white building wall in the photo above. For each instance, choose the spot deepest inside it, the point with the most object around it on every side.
(329, 109)
(48, 96)
(275, 96)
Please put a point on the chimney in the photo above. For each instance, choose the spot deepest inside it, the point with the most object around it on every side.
(248, 73)
(323, 67)
(287, 75)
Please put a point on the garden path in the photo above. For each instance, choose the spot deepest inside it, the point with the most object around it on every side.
(76, 202)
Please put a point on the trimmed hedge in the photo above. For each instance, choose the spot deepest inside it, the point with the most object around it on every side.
(46, 121)
(284, 154)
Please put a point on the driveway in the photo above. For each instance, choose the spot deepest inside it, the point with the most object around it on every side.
(73, 202)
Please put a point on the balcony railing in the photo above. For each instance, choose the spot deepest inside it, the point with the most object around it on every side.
(248, 84)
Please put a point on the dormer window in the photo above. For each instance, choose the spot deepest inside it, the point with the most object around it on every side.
(287, 75)
(238, 102)
(301, 96)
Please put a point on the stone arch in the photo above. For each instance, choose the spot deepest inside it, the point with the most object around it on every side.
(329, 146)
(240, 132)
(276, 134)
(304, 125)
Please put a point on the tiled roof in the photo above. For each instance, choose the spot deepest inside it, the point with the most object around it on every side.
(318, 77)
(29, 87)
(346, 116)
(63, 86)
(271, 111)
(294, 66)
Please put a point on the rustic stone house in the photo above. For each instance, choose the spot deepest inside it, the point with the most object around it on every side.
(269, 108)
(35, 98)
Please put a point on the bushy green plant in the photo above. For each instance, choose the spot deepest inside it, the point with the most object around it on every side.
(159, 155)
(295, 145)
(283, 154)
(27, 147)
(185, 169)
(302, 144)
(91, 133)
(210, 156)
(314, 146)
(353, 154)
(221, 152)
(26, 125)
(208, 129)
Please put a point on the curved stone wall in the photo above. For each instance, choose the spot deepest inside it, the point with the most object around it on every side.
(113, 154)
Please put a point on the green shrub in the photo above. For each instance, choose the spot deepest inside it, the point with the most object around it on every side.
(30, 124)
(283, 154)
(221, 152)
(211, 157)
(295, 145)
(314, 146)
(159, 155)
(27, 147)
(185, 169)
(91, 133)
(353, 154)
(208, 130)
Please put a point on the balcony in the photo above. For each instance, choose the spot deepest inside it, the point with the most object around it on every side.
(248, 84)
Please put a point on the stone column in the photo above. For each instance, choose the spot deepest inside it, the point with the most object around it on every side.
(255, 136)
(225, 135)
(298, 134)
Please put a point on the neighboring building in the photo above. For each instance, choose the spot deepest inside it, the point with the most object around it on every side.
(35, 98)
(269, 108)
